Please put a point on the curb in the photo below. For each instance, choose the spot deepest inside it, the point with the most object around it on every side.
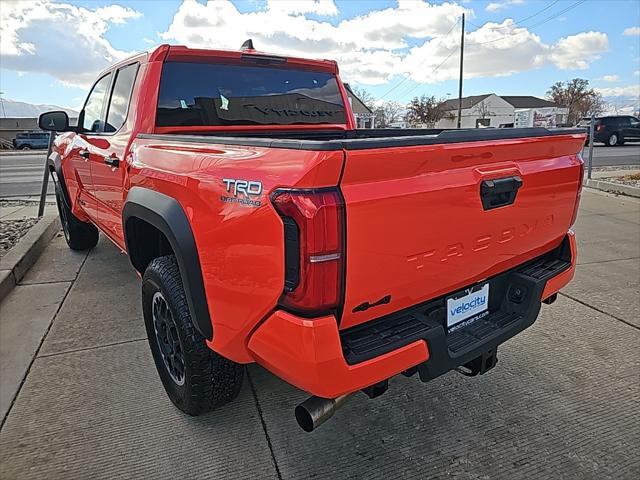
(32, 151)
(613, 187)
(24, 254)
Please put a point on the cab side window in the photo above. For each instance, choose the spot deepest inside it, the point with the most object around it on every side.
(94, 108)
(120, 97)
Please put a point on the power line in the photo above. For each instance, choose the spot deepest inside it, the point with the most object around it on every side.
(518, 22)
(558, 14)
(548, 19)
(433, 71)
(421, 63)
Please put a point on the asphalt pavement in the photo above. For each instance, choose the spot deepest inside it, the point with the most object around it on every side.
(21, 173)
(561, 403)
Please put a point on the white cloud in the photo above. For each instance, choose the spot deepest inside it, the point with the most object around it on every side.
(500, 50)
(372, 48)
(366, 47)
(296, 7)
(497, 6)
(630, 91)
(631, 31)
(62, 40)
(576, 52)
(636, 73)
(610, 78)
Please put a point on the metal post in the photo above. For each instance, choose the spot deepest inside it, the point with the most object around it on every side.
(591, 128)
(460, 81)
(45, 177)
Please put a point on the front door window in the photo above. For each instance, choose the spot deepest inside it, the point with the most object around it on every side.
(94, 108)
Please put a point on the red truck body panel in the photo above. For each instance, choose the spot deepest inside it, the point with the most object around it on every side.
(240, 249)
(415, 227)
(414, 215)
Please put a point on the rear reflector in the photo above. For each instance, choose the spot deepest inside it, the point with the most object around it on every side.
(313, 222)
(579, 193)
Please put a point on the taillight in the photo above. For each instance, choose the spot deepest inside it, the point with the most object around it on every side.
(581, 179)
(314, 249)
(599, 127)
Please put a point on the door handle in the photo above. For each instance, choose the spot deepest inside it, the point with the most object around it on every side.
(499, 192)
(84, 154)
(112, 161)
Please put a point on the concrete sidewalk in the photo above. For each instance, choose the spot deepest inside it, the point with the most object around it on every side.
(562, 402)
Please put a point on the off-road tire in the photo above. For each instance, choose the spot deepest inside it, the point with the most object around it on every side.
(209, 380)
(78, 234)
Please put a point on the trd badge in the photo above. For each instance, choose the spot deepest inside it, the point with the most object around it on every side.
(243, 192)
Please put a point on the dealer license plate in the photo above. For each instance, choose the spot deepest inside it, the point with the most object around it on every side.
(469, 305)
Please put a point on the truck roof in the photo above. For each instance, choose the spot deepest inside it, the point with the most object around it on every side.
(181, 52)
(166, 52)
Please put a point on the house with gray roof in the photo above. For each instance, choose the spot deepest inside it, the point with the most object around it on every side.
(491, 110)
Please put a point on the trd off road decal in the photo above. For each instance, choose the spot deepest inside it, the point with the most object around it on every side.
(243, 192)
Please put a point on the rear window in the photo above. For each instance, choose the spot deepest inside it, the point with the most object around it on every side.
(615, 120)
(205, 94)
(32, 135)
(585, 122)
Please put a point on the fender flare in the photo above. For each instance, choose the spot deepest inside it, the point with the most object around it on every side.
(54, 163)
(166, 214)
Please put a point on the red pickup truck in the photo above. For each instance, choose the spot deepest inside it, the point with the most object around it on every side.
(267, 228)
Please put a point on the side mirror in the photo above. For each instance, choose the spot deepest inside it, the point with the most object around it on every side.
(57, 121)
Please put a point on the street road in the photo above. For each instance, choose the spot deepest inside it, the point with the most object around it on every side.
(21, 174)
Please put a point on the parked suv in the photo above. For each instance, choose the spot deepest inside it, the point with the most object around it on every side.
(31, 140)
(614, 131)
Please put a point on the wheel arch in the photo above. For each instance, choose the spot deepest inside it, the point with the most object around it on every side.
(166, 215)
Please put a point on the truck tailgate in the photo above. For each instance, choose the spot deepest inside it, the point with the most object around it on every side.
(418, 228)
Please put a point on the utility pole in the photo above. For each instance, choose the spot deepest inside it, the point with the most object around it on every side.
(460, 82)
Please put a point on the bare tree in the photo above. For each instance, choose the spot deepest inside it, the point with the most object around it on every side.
(612, 107)
(364, 96)
(576, 95)
(425, 110)
(482, 109)
(388, 113)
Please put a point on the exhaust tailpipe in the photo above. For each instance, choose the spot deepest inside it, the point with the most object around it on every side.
(314, 411)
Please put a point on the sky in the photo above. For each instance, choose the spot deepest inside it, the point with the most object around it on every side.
(50, 52)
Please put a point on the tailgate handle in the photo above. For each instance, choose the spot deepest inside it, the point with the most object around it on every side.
(499, 192)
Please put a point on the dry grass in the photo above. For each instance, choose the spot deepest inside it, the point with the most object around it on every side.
(632, 176)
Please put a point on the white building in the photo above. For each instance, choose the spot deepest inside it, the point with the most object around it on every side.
(364, 116)
(491, 110)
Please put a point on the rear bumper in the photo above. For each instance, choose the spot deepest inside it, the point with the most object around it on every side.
(316, 357)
